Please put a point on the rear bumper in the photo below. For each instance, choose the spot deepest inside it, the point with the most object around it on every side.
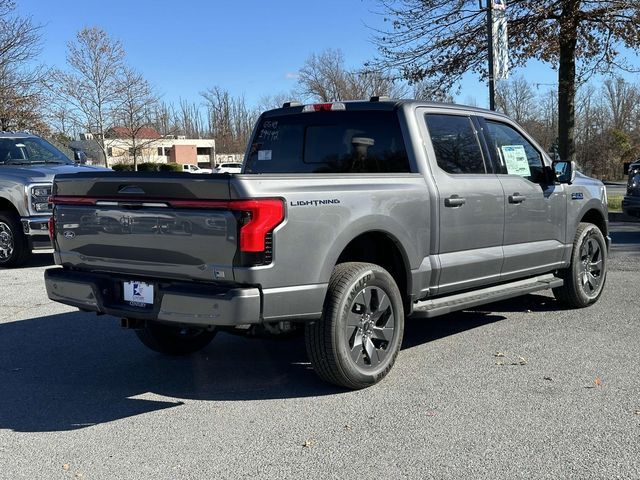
(174, 302)
(631, 206)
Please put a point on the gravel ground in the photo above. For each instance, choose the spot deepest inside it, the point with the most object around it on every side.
(517, 389)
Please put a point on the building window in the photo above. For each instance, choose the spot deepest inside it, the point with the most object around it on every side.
(109, 151)
(203, 150)
(160, 151)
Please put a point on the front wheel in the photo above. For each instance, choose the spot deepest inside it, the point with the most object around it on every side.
(356, 341)
(585, 277)
(172, 340)
(14, 247)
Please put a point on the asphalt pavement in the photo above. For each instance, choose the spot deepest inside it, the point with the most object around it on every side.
(517, 389)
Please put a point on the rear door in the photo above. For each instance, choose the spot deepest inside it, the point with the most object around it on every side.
(535, 207)
(471, 207)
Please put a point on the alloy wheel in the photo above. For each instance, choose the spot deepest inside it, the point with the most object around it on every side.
(6, 241)
(370, 327)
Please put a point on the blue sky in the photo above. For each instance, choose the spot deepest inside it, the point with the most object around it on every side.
(248, 47)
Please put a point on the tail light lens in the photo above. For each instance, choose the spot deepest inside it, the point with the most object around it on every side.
(52, 227)
(259, 218)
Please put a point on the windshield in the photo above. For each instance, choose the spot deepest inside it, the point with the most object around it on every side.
(20, 151)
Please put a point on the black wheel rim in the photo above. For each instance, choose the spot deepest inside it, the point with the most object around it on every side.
(370, 328)
(591, 266)
(6, 241)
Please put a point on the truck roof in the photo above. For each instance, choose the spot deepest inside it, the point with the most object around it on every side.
(383, 104)
(5, 134)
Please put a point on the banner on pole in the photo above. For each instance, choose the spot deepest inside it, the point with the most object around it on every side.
(500, 40)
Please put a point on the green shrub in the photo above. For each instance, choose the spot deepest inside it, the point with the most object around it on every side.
(169, 167)
(148, 167)
(122, 167)
(615, 203)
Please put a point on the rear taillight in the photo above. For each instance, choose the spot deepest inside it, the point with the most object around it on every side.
(52, 227)
(259, 217)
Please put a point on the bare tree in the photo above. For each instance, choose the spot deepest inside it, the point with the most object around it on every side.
(268, 102)
(443, 40)
(134, 111)
(20, 84)
(324, 77)
(230, 120)
(517, 99)
(92, 86)
(622, 99)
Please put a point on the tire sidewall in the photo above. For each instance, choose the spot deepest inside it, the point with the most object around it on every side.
(380, 278)
(19, 240)
(591, 231)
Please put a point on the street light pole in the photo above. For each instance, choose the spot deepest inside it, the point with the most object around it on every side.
(492, 80)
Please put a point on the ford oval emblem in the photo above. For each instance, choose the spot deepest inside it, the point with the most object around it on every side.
(69, 234)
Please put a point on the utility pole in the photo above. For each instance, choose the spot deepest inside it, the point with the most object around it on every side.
(492, 80)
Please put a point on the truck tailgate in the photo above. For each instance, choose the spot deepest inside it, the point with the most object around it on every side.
(153, 225)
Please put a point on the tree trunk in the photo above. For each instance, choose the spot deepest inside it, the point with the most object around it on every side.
(567, 80)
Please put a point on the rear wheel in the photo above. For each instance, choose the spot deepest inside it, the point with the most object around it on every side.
(172, 340)
(356, 341)
(14, 246)
(585, 277)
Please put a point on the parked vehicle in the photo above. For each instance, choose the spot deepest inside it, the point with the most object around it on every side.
(27, 166)
(194, 169)
(347, 217)
(228, 168)
(631, 201)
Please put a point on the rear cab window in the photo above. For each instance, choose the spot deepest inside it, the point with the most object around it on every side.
(455, 144)
(358, 141)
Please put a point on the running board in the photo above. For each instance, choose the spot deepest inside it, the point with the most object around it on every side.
(461, 301)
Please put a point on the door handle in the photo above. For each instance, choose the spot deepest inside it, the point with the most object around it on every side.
(454, 201)
(517, 198)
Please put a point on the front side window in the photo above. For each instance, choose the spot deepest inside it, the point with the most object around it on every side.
(455, 144)
(329, 142)
(516, 154)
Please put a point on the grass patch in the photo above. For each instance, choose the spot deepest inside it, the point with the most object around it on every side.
(615, 203)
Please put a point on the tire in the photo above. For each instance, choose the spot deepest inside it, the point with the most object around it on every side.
(171, 340)
(14, 245)
(584, 279)
(356, 341)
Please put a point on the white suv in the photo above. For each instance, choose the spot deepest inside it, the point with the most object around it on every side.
(229, 168)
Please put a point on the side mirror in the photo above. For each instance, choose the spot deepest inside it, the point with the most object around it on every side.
(565, 171)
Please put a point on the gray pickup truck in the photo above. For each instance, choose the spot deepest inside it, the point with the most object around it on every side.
(27, 167)
(346, 218)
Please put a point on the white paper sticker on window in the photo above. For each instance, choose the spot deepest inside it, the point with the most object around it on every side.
(515, 158)
(264, 154)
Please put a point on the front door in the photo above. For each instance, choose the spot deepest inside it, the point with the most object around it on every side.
(535, 207)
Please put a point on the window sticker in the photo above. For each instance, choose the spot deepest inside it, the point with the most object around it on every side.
(264, 154)
(515, 158)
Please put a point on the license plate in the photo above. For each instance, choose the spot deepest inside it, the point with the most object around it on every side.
(138, 292)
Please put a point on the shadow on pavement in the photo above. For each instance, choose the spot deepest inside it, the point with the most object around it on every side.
(69, 371)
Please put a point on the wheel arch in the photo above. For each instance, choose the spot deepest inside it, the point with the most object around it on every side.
(7, 206)
(384, 249)
(596, 217)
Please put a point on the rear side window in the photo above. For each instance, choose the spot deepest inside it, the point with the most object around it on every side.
(455, 143)
(329, 142)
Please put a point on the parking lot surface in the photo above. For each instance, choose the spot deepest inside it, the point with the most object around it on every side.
(517, 389)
